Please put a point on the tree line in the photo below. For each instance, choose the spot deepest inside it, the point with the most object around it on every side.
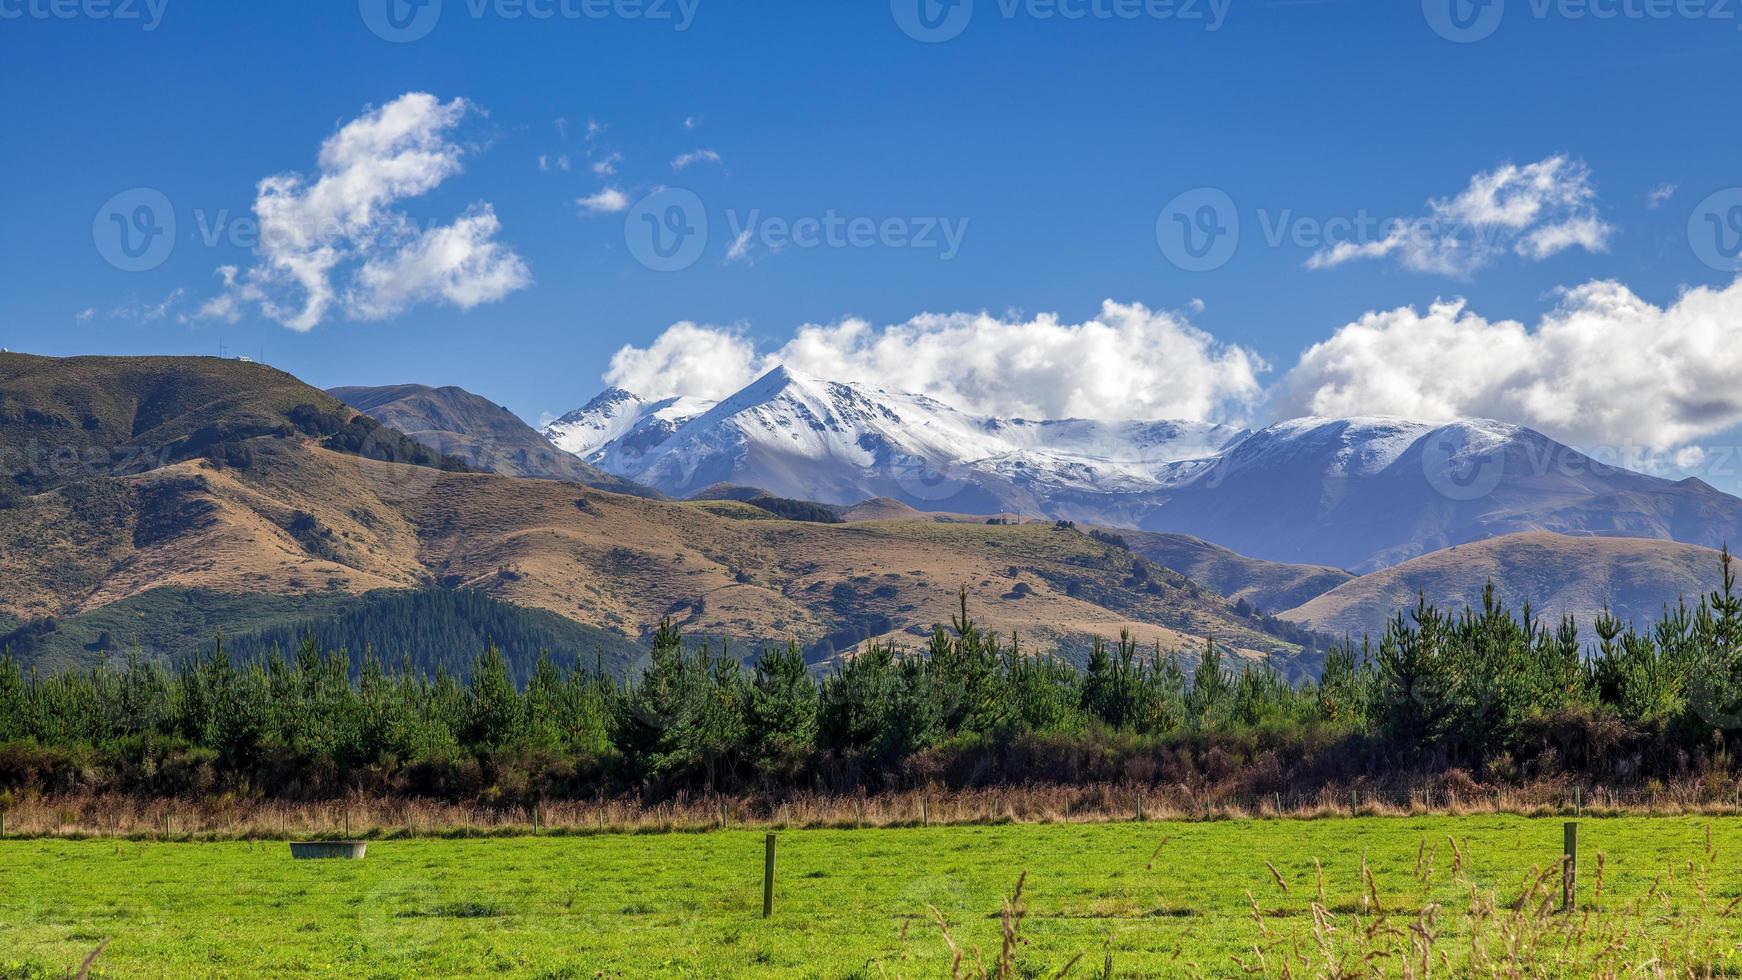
(1484, 689)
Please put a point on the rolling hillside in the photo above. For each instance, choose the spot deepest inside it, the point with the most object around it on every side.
(1556, 573)
(289, 515)
(64, 420)
(1268, 585)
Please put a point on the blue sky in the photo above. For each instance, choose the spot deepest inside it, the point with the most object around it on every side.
(1052, 145)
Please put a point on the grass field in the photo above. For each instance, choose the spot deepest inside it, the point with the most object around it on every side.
(1159, 898)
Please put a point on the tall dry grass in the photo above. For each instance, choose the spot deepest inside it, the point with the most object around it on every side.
(1677, 928)
(371, 816)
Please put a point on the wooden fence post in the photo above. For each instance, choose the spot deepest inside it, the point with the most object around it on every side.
(1570, 866)
(768, 879)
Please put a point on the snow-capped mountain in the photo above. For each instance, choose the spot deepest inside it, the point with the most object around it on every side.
(839, 442)
(616, 429)
(1359, 493)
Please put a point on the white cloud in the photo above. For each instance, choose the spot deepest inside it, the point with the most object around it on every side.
(1128, 362)
(344, 218)
(608, 165)
(85, 315)
(461, 264)
(1604, 368)
(692, 158)
(608, 201)
(689, 122)
(740, 250)
(1658, 196)
(689, 359)
(546, 164)
(1533, 211)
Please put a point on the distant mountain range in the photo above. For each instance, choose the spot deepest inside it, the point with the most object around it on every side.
(487, 436)
(1360, 493)
(155, 501)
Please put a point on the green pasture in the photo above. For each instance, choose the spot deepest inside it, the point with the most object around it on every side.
(1163, 899)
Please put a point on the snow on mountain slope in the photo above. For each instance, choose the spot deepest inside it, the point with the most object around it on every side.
(838, 442)
(1356, 493)
(616, 428)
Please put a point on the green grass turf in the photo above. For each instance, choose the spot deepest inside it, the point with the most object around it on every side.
(848, 903)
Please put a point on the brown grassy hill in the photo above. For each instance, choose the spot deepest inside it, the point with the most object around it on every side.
(301, 519)
(1556, 573)
(63, 420)
(1268, 585)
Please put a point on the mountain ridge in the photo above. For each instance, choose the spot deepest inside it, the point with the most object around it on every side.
(487, 436)
(1358, 493)
(272, 509)
(1556, 574)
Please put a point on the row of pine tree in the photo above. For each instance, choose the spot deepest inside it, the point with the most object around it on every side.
(1459, 688)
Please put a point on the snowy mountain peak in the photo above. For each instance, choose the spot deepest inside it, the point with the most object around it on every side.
(1353, 492)
(617, 419)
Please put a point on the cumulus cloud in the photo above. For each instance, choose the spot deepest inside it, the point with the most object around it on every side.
(1658, 196)
(689, 359)
(1604, 368)
(344, 220)
(461, 264)
(1534, 211)
(693, 157)
(608, 201)
(1128, 362)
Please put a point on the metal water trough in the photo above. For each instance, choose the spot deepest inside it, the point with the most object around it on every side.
(315, 850)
